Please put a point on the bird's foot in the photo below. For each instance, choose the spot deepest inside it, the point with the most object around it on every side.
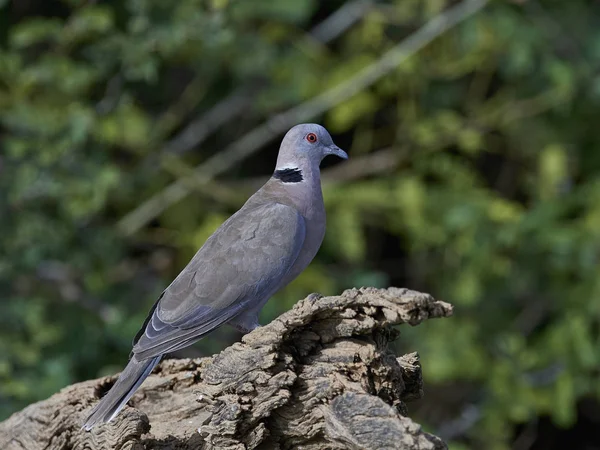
(245, 329)
(245, 324)
(314, 297)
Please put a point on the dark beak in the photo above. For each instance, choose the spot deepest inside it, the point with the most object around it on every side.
(336, 151)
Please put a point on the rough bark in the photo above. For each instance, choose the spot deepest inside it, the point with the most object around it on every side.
(318, 377)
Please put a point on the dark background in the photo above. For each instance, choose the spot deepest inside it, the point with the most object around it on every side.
(474, 176)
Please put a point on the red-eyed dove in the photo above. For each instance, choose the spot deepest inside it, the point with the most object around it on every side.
(251, 256)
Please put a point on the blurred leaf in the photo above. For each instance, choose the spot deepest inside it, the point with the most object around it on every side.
(35, 31)
(553, 165)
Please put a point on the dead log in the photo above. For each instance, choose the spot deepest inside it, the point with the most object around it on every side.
(318, 377)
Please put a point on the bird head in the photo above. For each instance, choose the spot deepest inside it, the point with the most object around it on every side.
(307, 144)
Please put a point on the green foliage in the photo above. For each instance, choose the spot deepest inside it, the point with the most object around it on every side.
(491, 202)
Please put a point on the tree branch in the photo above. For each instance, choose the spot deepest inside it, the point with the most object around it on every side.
(374, 163)
(318, 377)
(256, 138)
(342, 19)
(236, 102)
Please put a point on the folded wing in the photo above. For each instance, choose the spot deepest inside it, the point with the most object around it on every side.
(240, 265)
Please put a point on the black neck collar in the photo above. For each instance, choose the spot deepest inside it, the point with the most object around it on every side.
(292, 175)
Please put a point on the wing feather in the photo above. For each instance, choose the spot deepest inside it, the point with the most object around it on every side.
(240, 265)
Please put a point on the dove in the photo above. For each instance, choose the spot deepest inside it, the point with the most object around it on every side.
(252, 255)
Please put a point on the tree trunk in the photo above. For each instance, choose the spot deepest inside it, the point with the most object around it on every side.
(318, 377)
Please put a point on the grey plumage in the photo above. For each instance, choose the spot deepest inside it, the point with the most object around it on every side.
(252, 255)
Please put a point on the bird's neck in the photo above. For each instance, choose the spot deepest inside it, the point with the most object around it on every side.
(289, 175)
(303, 174)
(300, 183)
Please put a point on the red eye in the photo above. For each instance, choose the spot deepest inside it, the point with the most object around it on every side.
(311, 137)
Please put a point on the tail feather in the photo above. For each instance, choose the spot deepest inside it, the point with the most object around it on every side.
(128, 382)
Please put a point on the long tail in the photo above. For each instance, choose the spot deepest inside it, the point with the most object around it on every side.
(128, 382)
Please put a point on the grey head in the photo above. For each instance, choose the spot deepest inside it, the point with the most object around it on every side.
(304, 147)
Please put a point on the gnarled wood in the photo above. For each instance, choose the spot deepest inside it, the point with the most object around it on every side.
(318, 377)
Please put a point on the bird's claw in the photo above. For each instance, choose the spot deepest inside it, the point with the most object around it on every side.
(314, 297)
